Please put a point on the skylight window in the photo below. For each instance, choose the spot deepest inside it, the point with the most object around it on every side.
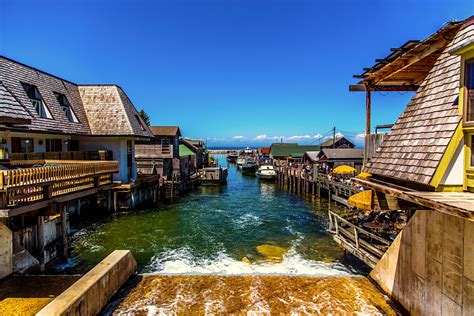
(66, 107)
(35, 97)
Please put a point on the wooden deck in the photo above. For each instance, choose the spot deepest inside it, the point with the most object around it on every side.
(29, 189)
(460, 204)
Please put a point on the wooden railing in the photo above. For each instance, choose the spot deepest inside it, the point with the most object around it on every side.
(363, 244)
(63, 155)
(34, 184)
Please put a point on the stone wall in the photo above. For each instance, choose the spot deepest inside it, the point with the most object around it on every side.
(429, 268)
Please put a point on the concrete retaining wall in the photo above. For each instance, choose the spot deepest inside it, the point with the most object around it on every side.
(429, 268)
(6, 251)
(92, 292)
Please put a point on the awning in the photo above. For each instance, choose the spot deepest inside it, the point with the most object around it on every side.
(343, 169)
(361, 200)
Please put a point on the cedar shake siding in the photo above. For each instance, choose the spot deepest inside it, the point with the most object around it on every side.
(413, 149)
(110, 112)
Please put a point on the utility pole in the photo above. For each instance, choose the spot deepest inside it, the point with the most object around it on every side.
(334, 137)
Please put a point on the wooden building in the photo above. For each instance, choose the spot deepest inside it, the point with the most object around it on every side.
(199, 149)
(291, 152)
(425, 165)
(187, 162)
(339, 142)
(62, 145)
(329, 158)
(160, 155)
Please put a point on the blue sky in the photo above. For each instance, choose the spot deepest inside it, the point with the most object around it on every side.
(232, 72)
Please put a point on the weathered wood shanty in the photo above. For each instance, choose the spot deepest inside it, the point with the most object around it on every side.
(160, 155)
(425, 165)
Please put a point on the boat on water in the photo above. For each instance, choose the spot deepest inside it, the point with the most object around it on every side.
(250, 165)
(248, 151)
(266, 172)
(214, 176)
(232, 156)
(240, 161)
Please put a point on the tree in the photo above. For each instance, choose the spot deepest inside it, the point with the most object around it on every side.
(144, 117)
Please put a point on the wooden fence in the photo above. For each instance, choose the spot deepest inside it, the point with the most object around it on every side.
(27, 185)
(361, 243)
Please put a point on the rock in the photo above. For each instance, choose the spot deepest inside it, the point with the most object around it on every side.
(272, 253)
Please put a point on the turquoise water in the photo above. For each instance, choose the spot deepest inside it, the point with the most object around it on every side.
(212, 229)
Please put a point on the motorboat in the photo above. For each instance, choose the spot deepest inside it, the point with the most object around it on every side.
(240, 161)
(250, 166)
(248, 151)
(214, 176)
(266, 172)
(232, 156)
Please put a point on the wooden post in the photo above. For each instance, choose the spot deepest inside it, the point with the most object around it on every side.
(40, 235)
(64, 230)
(367, 120)
(356, 237)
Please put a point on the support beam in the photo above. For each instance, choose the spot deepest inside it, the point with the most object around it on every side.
(367, 112)
(64, 230)
(383, 88)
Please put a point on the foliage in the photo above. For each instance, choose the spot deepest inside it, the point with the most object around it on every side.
(144, 117)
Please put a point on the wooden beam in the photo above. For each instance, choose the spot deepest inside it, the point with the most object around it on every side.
(367, 112)
(440, 44)
(382, 88)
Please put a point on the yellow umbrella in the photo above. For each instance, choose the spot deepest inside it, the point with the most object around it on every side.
(343, 169)
(362, 200)
(364, 175)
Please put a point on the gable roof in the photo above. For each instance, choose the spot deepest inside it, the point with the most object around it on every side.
(10, 108)
(312, 155)
(343, 153)
(330, 141)
(165, 130)
(412, 150)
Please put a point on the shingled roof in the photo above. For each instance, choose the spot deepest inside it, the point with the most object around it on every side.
(165, 130)
(11, 111)
(100, 109)
(412, 150)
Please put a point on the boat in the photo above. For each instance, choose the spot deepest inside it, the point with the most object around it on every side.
(232, 157)
(240, 161)
(248, 151)
(250, 166)
(266, 172)
(214, 176)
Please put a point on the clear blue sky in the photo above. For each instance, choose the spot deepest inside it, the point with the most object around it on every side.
(227, 70)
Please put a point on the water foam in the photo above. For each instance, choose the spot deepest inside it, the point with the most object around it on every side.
(182, 261)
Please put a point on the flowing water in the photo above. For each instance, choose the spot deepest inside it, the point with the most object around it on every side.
(217, 233)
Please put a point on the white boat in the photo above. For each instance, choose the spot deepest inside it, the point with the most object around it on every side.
(248, 151)
(266, 172)
(240, 161)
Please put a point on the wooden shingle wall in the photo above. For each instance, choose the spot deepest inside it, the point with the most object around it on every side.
(415, 145)
(10, 107)
(110, 112)
(13, 73)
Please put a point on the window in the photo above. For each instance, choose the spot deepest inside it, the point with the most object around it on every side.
(165, 146)
(35, 97)
(53, 145)
(469, 85)
(140, 123)
(22, 145)
(66, 107)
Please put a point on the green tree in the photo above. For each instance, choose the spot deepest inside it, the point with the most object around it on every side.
(144, 117)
